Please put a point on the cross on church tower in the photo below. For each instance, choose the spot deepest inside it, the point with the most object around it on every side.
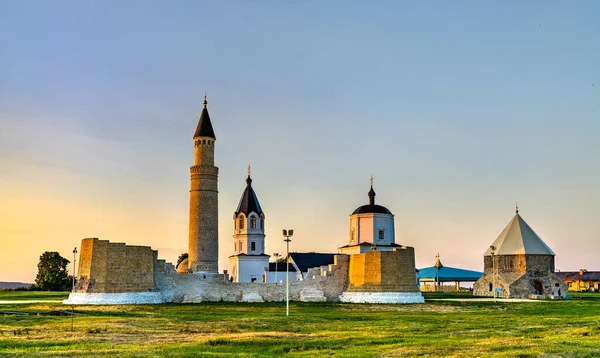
(372, 181)
(249, 168)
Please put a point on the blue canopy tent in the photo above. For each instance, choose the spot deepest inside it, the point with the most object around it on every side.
(439, 273)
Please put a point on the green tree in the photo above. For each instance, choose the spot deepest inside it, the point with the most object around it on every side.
(181, 258)
(52, 272)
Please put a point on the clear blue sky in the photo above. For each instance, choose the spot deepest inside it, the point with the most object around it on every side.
(457, 108)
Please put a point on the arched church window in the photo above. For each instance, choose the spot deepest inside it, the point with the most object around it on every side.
(241, 223)
(253, 246)
(252, 222)
(262, 224)
(381, 234)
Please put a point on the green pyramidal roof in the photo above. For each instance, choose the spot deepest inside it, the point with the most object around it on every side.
(518, 238)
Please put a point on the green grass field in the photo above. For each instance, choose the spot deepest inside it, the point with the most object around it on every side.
(469, 328)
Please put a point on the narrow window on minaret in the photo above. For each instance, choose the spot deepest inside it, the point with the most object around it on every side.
(253, 222)
(252, 246)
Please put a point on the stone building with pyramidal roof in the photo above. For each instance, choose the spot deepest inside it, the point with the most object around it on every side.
(519, 264)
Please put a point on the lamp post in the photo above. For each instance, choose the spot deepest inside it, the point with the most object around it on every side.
(74, 259)
(276, 259)
(493, 270)
(287, 234)
(73, 289)
(437, 270)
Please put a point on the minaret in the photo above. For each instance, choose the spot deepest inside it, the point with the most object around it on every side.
(203, 246)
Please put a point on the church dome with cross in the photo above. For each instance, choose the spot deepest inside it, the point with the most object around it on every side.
(371, 228)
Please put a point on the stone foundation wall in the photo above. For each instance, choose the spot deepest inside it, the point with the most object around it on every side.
(106, 267)
(383, 271)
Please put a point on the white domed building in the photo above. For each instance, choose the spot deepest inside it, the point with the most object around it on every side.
(371, 228)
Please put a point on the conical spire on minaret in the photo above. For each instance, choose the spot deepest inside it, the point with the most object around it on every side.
(372, 193)
(204, 128)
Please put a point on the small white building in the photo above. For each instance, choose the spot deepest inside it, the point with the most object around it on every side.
(371, 228)
(249, 262)
(277, 272)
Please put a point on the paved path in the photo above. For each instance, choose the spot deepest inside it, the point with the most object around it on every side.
(18, 302)
(484, 299)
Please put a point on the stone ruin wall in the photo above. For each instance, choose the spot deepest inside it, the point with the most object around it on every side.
(325, 283)
(106, 267)
(383, 271)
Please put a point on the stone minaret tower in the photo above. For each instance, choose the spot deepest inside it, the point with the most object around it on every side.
(203, 247)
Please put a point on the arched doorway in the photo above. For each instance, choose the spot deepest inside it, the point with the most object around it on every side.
(538, 287)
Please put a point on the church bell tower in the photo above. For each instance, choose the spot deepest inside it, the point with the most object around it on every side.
(249, 262)
(203, 245)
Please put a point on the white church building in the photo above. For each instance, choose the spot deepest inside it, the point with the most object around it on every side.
(249, 261)
(371, 228)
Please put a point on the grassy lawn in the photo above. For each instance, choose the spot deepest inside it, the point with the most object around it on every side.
(437, 328)
(6, 295)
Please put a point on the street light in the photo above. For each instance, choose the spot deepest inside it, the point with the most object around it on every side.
(276, 259)
(493, 248)
(74, 259)
(73, 289)
(287, 234)
(437, 270)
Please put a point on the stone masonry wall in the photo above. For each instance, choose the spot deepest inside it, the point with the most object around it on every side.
(383, 271)
(327, 283)
(115, 267)
(519, 276)
(107, 268)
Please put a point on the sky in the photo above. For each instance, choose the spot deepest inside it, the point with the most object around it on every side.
(458, 109)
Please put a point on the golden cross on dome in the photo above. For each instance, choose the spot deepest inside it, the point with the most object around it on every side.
(249, 167)
(372, 181)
